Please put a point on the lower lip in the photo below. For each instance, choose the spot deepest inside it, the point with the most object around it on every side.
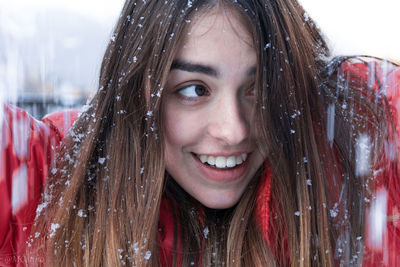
(222, 175)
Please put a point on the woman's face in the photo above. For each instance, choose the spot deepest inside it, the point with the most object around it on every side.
(211, 151)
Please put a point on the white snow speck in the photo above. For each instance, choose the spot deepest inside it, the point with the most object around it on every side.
(363, 155)
(334, 211)
(297, 213)
(205, 232)
(306, 17)
(147, 255)
(53, 229)
(330, 123)
(40, 208)
(81, 213)
(135, 247)
(102, 160)
(268, 45)
(377, 220)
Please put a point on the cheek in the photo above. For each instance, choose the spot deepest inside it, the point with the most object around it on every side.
(180, 135)
(180, 128)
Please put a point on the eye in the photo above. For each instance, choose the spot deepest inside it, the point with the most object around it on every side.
(251, 90)
(193, 91)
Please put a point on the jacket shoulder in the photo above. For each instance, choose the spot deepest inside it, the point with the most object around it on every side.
(382, 238)
(383, 77)
(27, 149)
(61, 121)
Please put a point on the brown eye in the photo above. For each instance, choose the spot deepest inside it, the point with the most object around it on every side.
(193, 91)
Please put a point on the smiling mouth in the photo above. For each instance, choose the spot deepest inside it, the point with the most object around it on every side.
(222, 162)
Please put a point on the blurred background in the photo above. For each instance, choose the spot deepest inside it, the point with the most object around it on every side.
(51, 50)
(368, 27)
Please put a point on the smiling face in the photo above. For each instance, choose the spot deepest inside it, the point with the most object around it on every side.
(211, 151)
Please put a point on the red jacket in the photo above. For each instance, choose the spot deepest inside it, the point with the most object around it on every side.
(27, 147)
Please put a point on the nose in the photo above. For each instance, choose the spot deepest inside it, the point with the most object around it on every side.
(229, 121)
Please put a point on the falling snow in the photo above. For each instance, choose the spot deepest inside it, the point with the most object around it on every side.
(268, 45)
(81, 213)
(53, 229)
(330, 123)
(147, 255)
(205, 232)
(334, 211)
(377, 220)
(363, 155)
(21, 131)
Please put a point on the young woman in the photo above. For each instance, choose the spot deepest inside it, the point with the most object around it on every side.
(221, 135)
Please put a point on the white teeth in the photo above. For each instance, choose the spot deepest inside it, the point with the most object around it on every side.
(203, 158)
(211, 160)
(239, 159)
(223, 162)
(231, 162)
(220, 162)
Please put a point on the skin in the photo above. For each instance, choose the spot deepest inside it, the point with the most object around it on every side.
(207, 109)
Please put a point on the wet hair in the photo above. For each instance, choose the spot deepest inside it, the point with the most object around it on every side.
(111, 166)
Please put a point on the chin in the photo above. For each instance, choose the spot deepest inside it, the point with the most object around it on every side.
(219, 204)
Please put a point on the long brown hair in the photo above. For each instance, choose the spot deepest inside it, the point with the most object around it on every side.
(103, 200)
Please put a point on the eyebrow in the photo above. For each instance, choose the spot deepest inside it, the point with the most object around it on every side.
(204, 69)
(190, 67)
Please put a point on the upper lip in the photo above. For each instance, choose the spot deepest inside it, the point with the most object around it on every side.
(224, 154)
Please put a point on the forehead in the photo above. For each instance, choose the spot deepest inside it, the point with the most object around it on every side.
(227, 19)
(215, 30)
